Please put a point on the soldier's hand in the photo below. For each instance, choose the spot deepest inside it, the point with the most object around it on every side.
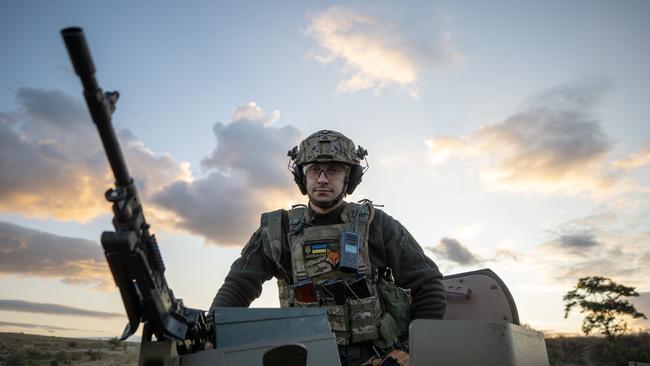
(396, 357)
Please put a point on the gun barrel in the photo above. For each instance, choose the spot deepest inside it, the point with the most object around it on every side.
(131, 251)
(77, 47)
(98, 104)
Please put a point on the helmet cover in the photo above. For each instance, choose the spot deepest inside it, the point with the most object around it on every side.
(327, 146)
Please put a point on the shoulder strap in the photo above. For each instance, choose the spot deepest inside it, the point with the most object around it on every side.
(296, 213)
(367, 209)
(371, 208)
(271, 224)
(297, 222)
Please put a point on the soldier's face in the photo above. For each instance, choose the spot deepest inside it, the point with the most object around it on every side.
(325, 182)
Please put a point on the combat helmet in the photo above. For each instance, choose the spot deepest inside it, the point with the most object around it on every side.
(327, 146)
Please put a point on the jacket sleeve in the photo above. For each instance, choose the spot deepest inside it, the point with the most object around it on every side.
(394, 247)
(243, 284)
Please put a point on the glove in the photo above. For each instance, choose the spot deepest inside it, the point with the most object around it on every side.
(395, 358)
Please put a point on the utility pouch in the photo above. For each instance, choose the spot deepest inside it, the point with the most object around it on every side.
(283, 293)
(357, 288)
(338, 318)
(305, 293)
(363, 319)
(388, 332)
(397, 303)
(333, 291)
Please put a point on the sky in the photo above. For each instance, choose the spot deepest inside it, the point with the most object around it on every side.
(502, 135)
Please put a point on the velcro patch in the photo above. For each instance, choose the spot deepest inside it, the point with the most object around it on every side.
(321, 257)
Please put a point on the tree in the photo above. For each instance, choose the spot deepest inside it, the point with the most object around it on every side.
(114, 342)
(603, 301)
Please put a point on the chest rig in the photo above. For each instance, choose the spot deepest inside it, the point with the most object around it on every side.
(317, 252)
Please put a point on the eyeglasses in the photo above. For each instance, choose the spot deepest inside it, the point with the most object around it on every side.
(332, 170)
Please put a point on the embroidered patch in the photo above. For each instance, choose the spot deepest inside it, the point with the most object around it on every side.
(333, 257)
(321, 257)
(315, 250)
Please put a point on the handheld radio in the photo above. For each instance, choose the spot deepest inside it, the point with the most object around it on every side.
(349, 251)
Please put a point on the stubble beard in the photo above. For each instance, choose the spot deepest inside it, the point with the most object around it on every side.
(324, 204)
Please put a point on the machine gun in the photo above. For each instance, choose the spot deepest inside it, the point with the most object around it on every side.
(131, 250)
(246, 336)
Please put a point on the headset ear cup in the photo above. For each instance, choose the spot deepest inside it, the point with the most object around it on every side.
(299, 178)
(356, 172)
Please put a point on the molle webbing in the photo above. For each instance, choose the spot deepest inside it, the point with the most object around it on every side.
(271, 223)
(302, 231)
(297, 218)
(357, 320)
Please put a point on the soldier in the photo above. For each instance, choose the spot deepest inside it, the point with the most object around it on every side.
(340, 255)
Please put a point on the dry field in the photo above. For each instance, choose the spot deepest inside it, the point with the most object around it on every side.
(597, 351)
(18, 349)
(35, 350)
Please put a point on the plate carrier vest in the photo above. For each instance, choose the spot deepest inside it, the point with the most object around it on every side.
(315, 255)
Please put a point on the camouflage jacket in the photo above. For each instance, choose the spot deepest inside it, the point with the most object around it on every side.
(391, 246)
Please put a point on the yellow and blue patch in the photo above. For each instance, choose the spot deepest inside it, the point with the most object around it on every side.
(321, 257)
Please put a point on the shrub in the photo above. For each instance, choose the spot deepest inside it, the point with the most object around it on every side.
(94, 355)
(63, 357)
(35, 354)
(621, 350)
(17, 359)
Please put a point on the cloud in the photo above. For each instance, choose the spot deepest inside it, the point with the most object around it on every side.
(151, 171)
(645, 258)
(574, 243)
(43, 157)
(592, 266)
(246, 175)
(53, 163)
(55, 309)
(75, 261)
(579, 241)
(504, 254)
(49, 328)
(251, 112)
(452, 250)
(377, 52)
(222, 209)
(642, 305)
(553, 143)
(253, 149)
(468, 232)
(603, 219)
(634, 161)
(601, 244)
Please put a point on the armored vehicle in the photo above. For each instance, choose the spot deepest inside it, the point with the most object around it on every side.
(480, 327)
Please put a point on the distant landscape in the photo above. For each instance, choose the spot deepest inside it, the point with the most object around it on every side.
(19, 349)
(597, 351)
